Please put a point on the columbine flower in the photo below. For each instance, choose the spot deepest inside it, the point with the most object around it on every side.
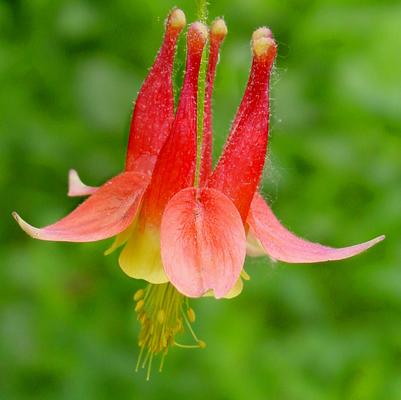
(185, 228)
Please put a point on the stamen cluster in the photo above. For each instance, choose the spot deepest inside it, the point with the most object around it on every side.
(163, 312)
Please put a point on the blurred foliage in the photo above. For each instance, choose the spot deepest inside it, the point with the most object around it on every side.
(68, 73)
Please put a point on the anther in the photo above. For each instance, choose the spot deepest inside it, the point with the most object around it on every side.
(201, 344)
(179, 326)
(218, 28)
(191, 315)
(139, 305)
(161, 316)
(139, 294)
(177, 19)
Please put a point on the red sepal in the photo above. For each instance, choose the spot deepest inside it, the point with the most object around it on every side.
(175, 166)
(154, 108)
(104, 214)
(218, 32)
(239, 169)
(281, 244)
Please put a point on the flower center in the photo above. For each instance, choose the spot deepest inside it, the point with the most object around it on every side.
(163, 312)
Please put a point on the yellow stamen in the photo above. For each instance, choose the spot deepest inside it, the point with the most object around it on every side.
(161, 316)
(162, 312)
(191, 315)
(139, 294)
(187, 346)
(139, 305)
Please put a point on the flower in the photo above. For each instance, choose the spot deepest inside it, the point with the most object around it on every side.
(185, 227)
(111, 208)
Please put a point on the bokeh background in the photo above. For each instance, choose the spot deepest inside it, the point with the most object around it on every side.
(69, 71)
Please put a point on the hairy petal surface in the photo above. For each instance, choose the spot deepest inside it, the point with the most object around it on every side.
(154, 107)
(203, 242)
(218, 31)
(106, 213)
(281, 244)
(175, 166)
(239, 169)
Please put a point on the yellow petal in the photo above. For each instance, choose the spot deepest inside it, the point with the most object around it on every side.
(245, 276)
(140, 258)
(253, 246)
(234, 291)
(121, 238)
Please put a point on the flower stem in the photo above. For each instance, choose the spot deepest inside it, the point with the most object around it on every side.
(202, 10)
(202, 16)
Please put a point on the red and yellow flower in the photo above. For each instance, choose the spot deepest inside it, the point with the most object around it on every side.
(185, 227)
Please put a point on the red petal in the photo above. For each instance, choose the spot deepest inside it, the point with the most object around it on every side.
(76, 187)
(175, 166)
(280, 244)
(239, 169)
(218, 32)
(154, 107)
(202, 242)
(107, 212)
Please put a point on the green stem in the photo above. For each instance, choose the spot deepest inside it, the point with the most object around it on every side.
(202, 10)
(202, 16)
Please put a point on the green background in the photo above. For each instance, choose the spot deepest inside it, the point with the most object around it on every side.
(69, 71)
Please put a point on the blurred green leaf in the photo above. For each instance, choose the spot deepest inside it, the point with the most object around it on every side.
(69, 71)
